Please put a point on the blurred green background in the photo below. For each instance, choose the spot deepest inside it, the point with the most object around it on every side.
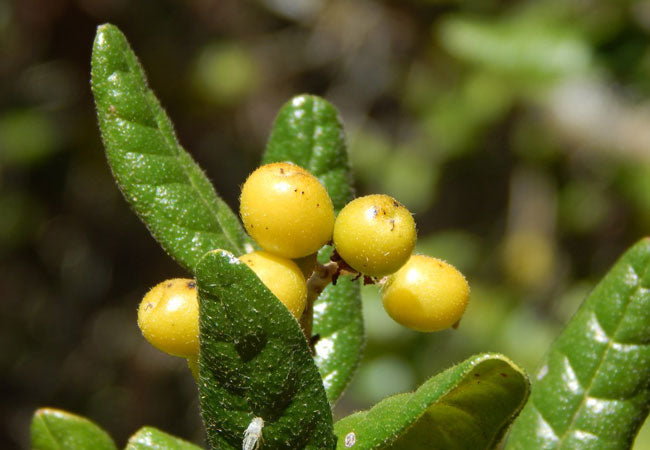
(517, 132)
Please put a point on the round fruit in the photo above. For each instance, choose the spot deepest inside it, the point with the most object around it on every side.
(282, 276)
(168, 317)
(426, 294)
(375, 234)
(286, 210)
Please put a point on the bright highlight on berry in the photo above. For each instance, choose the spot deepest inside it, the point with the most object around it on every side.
(282, 276)
(375, 234)
(286, 210)
(426, 294)
(168, 317)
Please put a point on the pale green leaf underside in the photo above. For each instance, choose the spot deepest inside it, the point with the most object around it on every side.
(468, 406)
(593, 388)
(149, 438)
(308, 132)
(255, 362)
(165, 187)
(53, 429)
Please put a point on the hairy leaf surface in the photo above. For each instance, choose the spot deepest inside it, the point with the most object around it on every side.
(53, 429)
(161, 181)
(150, 438)
(468, 406)
(255, 362)
(593, 388)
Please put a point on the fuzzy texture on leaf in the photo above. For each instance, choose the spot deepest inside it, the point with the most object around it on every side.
(150, 438)
(468, 406)
(160, 180)
(593, 388)
(54, 429)
(254, 361)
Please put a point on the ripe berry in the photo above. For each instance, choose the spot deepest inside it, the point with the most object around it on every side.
(375, 234)
(282, 276)
(168, 317)
(426, 294)
(286, 210)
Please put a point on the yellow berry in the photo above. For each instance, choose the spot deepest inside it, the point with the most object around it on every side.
(426, 294)
(282, 276)
(286, 210)
(168, 317)
(375, 234)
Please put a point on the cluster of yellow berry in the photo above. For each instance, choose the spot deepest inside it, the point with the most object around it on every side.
(288, 212)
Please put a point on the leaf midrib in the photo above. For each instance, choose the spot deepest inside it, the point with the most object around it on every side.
(611, 341)
(176, 149)
(49, 432)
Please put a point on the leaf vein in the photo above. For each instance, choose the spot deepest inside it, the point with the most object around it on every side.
(600, 364)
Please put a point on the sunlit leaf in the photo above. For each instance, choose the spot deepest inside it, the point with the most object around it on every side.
(593, 390)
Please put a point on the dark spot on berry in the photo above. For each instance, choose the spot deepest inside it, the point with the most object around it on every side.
(295, 190)
(148, 306)
(477, 375)
(302, 192)
(191, 284)
(374, 212)
(503, 375)
(266, 228)
(281, 170)
(169, 285)
(317, 205)
(395, 203)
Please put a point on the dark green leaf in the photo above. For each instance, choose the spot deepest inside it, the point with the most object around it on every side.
(149, 438)
(309, 133)
(165, 187)
(468, 406)
(255, 362)
(593, 388)
(53, 429)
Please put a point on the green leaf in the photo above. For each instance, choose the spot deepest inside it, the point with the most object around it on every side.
(468, 406)
(593, 389)
(527, 48)
(149, 438)
(165, 187)
(308, 132)
(338, 322)
(255, 362)
(53, 429)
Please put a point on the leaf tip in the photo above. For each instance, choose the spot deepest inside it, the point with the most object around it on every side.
(47, 411)
(104, 34)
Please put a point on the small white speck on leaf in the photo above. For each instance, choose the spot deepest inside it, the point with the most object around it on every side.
(253, 434)
(350, 439)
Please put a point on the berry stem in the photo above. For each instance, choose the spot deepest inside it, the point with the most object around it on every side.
(319, 279)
